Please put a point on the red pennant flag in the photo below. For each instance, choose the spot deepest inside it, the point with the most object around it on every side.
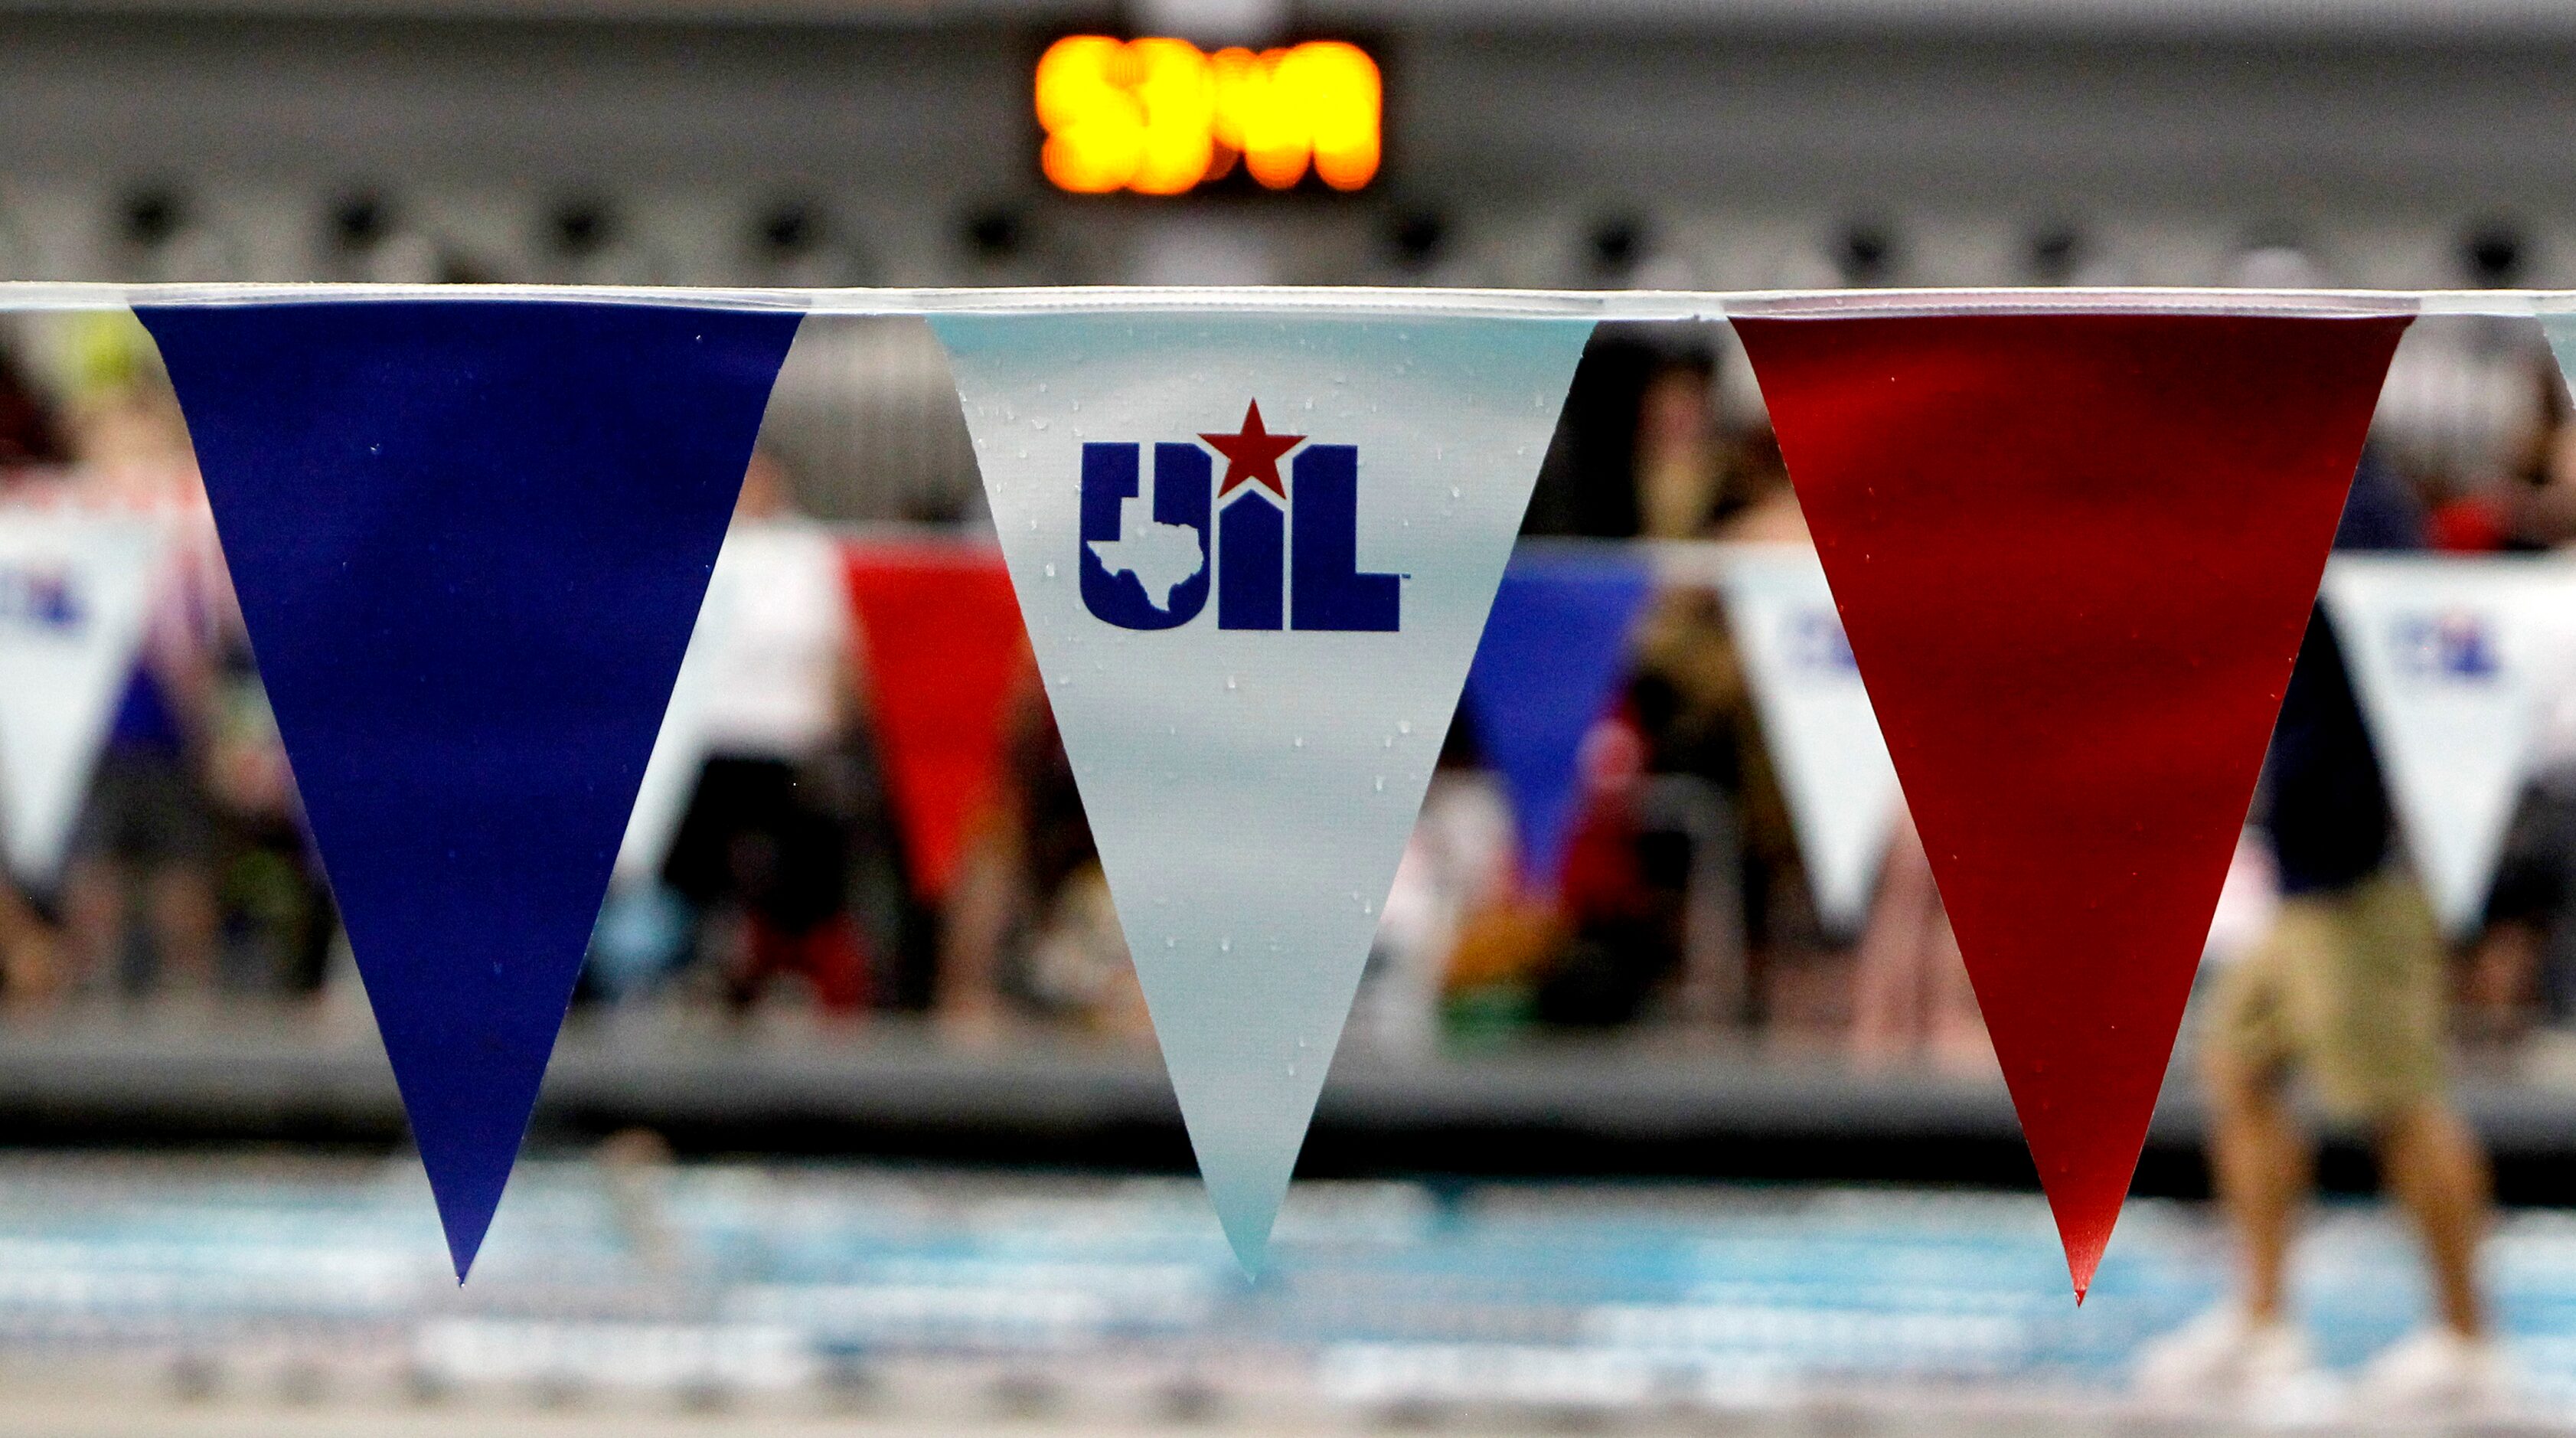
(944, 642)
(2075, 554)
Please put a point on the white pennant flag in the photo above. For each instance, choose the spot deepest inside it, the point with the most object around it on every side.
(1255, 555)
(1834, 767)
(76, 593)
(2448, 659)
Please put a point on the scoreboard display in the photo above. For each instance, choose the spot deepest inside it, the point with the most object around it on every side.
(1160, 116)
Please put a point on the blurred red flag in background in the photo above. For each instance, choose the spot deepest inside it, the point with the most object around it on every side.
(943, 644)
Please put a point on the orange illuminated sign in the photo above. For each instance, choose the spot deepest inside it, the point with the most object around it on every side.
(1161, 117)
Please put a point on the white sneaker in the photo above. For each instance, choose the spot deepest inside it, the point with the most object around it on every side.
(2436, 1373)
(2224, 1360)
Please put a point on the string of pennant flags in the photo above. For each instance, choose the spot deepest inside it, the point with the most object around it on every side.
(2071, 539)
(1359, 301)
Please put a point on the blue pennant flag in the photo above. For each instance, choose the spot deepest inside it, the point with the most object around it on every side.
(470, 540)
(1553, 654)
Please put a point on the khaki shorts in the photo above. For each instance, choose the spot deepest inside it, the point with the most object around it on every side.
(2348, 988)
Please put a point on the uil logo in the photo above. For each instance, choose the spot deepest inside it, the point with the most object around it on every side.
(1817, 644)
(1285, 552)
(40, 597)
(2457, 646)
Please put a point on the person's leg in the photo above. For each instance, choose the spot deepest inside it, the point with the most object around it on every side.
(186, 924)
(764, 954)
(2261, 1163)
(2382, 1056)
(30, 964)
(2509, 971)
(987, 901)
(1957, 1040)
(809, 900)
(2247, 1348)
(2260, 1158)
(2437, 1168)
(836, 963)
(1889, 972)
(93, 909)
(169, 840)
(2503, 976)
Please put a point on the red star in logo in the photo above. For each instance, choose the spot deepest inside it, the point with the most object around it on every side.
(1253, 454)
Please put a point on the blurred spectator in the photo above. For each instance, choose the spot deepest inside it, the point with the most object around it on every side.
(2348, 988)
(1502, 950)
(2532, 505)
(277, 914)
(1621, 897)
(1693, 705)
(1642, 449)
(1761, 505)
(2248, 902)
(763, 852)
(1911, 998)
(30, 958)
(2539, 501)
(1680, 469)
(1640, 922)
(28, 435)
(146, 839)
(1457, 866)
(2526, 957)
(1030, 929)
(125, 432)
(31, 967)
(1589, 482)
(2523, 959)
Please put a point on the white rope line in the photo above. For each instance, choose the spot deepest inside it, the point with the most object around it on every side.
(1355, 301)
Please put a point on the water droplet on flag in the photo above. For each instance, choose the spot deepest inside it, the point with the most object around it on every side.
(1050, 571)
